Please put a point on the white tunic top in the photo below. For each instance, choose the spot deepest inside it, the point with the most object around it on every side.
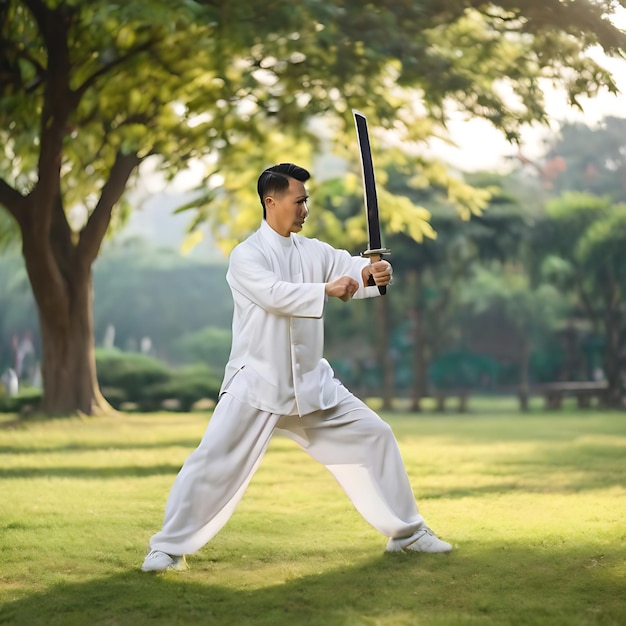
(276, 362)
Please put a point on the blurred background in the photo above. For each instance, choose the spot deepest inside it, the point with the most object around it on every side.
(134, 136)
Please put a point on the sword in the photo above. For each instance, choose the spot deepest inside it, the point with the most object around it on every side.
(375, 250)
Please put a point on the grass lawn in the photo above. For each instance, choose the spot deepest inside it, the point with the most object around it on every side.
(535, 505)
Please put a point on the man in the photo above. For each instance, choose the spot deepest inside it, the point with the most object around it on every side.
(277, 380)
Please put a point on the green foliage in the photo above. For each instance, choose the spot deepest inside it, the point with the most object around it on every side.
(189, 79)
(28, 398)
(533, 311)
(602, 246)
(130, 372)
(128, 377)
(186, 386)
(211, 345)
(589, 234)
(9, 233)
(146, 292)
(573, 213)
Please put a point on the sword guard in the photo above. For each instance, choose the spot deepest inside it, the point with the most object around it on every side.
(377, 252)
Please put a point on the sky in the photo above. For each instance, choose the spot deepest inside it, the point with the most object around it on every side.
(479, 146)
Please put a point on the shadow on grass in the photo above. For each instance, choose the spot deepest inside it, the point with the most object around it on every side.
(587, 465)
(550, 469)
(101, 445)
(87, 473)
(496, 585)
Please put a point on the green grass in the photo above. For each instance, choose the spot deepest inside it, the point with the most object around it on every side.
(535, 505)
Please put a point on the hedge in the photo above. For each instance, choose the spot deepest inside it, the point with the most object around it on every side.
(146, 382)
(137, 379)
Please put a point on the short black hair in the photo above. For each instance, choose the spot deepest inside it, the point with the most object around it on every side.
(276, 179)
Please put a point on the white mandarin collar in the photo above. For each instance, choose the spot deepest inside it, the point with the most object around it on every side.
(273, 238)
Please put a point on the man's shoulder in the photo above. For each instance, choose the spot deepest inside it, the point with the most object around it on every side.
(247, 249)
(251, 241)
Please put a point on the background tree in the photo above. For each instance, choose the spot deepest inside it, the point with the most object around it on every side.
(587, 235)
(145, 292)
(89, 90)
(588, 159)
(533, 312)
(435, 271)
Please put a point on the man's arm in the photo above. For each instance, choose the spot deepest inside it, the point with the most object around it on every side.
(345, 287)
(342, 264)
(249, 274)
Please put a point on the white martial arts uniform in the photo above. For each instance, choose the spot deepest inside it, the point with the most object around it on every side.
(277, 379)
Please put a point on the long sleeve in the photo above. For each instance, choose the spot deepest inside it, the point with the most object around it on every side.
(251, 275)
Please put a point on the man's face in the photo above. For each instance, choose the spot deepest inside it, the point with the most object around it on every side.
(286, 211)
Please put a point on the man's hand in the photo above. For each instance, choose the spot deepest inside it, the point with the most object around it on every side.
(343, 288)
(380, 271)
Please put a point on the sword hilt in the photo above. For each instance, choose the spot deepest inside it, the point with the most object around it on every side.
(373, 256)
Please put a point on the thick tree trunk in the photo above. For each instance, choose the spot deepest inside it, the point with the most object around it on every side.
(69, 364)
(65, 309)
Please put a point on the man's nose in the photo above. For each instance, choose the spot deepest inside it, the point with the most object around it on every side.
(306, 210)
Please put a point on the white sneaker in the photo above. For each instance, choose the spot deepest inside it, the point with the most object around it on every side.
(424, 540)
(158, 561)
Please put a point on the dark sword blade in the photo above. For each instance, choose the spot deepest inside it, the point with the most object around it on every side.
(369, 182)
(375, 250)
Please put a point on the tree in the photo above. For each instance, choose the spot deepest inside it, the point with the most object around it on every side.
(532, 311)
(434, 272)
(591, 160)
(587, 234)
(90, 90)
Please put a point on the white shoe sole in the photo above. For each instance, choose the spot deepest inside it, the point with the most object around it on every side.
(422, 541)
(162, 564)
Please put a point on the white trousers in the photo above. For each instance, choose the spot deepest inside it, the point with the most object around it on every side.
(354, 443)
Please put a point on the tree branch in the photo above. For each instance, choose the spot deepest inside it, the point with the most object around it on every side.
(12, 200)
(90, 80)
(92, 235)
(58, 103)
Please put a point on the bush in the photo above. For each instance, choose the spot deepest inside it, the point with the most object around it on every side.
(187, 386)
(129, 373)
(130, 377)
(28, 396)
(114, 396)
